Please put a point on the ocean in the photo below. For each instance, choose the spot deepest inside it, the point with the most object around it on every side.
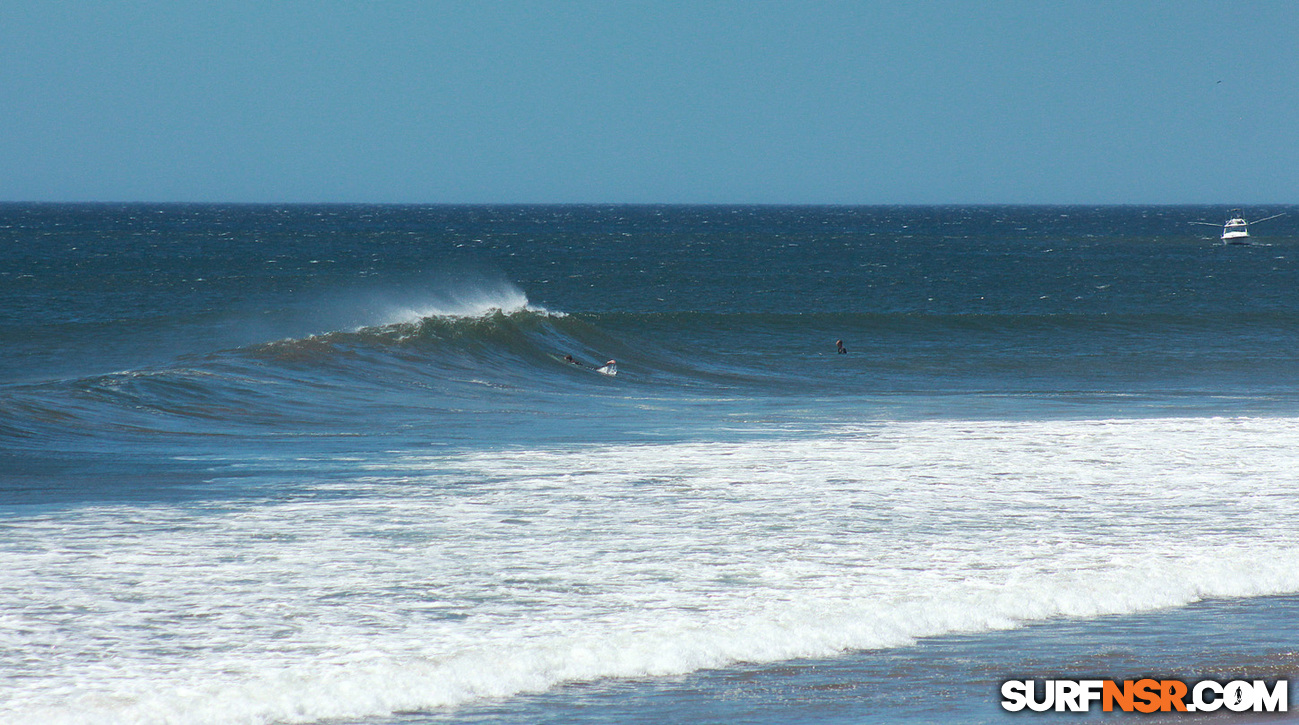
(329, 463)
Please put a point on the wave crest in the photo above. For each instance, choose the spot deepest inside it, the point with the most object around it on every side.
(476, 303)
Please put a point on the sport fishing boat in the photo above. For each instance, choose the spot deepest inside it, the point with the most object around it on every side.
(1236, 229)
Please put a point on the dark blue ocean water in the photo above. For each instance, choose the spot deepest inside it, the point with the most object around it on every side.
(294, 463)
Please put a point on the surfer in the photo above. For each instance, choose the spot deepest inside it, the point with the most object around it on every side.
(842, 350)
(569, 359)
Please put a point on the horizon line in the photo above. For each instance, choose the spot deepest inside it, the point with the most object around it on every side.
(8, 202)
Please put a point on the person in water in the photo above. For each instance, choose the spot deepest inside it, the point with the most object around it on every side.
(842, 350)
(569, 359)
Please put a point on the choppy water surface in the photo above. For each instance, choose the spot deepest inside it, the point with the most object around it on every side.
(297, 464)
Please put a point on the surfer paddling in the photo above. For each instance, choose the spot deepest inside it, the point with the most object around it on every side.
(609, 368)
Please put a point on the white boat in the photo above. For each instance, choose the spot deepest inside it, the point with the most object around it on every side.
(1236, 230)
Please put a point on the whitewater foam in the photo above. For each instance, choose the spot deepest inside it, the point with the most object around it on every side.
(442, 580)
(464, 303)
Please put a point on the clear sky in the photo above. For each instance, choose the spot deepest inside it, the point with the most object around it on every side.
(607, 101)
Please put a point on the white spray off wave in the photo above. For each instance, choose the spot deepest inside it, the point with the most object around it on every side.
(479, 300)
(457, 578)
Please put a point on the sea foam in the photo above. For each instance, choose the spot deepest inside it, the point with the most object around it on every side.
(446, 579)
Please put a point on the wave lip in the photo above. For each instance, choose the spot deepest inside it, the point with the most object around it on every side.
(473, 303)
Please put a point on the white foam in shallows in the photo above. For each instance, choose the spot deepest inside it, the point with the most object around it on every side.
(450, 579)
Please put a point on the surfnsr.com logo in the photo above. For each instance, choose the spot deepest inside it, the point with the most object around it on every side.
(1147, 695)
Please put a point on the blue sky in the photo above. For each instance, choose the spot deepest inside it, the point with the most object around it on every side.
(701, 102)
